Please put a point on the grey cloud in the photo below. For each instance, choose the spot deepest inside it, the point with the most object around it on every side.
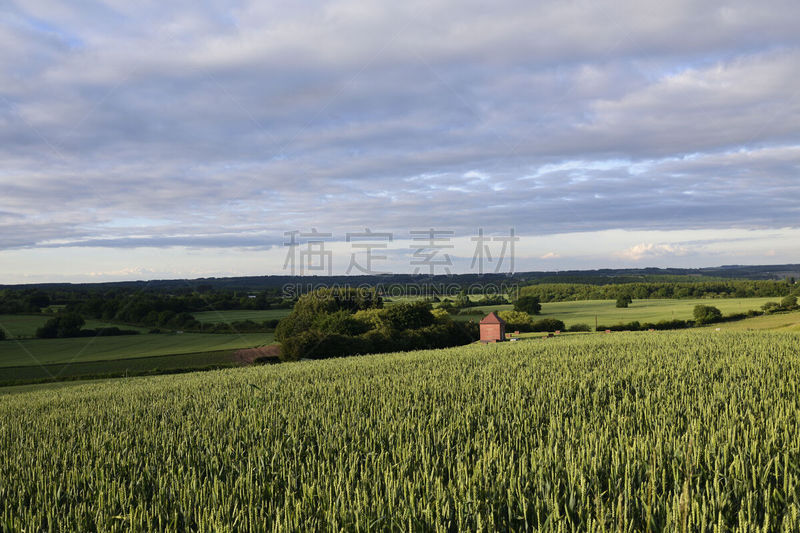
(265, 117)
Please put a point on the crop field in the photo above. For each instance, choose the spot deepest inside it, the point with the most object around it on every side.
(583, 312)
(25, 326)
(60, 351)
(686, 431)
(131, 366)
(774, 322)
(216, 317)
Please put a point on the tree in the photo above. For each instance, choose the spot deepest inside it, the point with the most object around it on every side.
(62, 326)
(706, 314)
(528, 304)
(789, 302)
(409, 315)
(462, 300)
(624, 300)
(39, 299)
(2, 334)
(339, 323)
(516, 320)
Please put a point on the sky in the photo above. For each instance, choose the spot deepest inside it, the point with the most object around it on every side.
(143, 140)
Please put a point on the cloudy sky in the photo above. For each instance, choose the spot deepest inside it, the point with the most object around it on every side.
(182, 139)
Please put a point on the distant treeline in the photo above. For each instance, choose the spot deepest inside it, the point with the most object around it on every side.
(128, 305)
(171, 311)
(108, 303)
(275, 284)
(561, 292)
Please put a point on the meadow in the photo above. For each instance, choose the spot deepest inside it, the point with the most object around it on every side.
(46, 359)
(773, 322)
(690, 431)
(83, 349)
(256, 315)
(651, 310)
(25, 326)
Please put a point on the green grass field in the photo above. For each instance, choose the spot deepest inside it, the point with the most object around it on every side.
(216, 317)
(25, 326)
(676, 431)
(118, 367)
(61, 351)
(584, 312)
(775, 322)
(570, 312)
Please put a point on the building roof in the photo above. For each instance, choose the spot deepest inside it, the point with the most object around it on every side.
(492, 318)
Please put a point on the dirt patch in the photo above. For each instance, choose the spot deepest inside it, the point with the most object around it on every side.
(262, 354)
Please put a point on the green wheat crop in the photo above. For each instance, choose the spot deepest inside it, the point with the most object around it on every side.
(678, 431)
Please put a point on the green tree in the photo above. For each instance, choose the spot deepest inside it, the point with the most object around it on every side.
(462, 300)
(624, 300)
(528, 304)
(516, 320)
(339, 323)
(706, 314)
(789, 302)
(409, 315)
(62, 326)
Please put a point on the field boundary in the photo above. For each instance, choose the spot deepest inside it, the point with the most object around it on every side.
(171, 364)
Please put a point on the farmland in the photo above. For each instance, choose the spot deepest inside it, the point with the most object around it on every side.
(632, 431)
(216, 317)
(26, 359)
(39, 359)
(25, 326)
(55, 351)
(774, 322)
(654, 310)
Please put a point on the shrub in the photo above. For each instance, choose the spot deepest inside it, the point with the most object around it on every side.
(706, 314)
(579, 327)
(630, 326)
(441, 316)
(672, 324)
(2, 334)
(547, 324)
(109, 332)
(770, 307)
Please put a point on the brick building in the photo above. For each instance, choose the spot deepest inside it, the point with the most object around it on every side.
(493, 328)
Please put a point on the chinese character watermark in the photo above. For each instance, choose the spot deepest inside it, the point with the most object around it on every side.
(425, 256)
(368, 246)
(314, 257)
(483, 253)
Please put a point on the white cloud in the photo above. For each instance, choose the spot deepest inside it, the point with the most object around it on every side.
(651, 251)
